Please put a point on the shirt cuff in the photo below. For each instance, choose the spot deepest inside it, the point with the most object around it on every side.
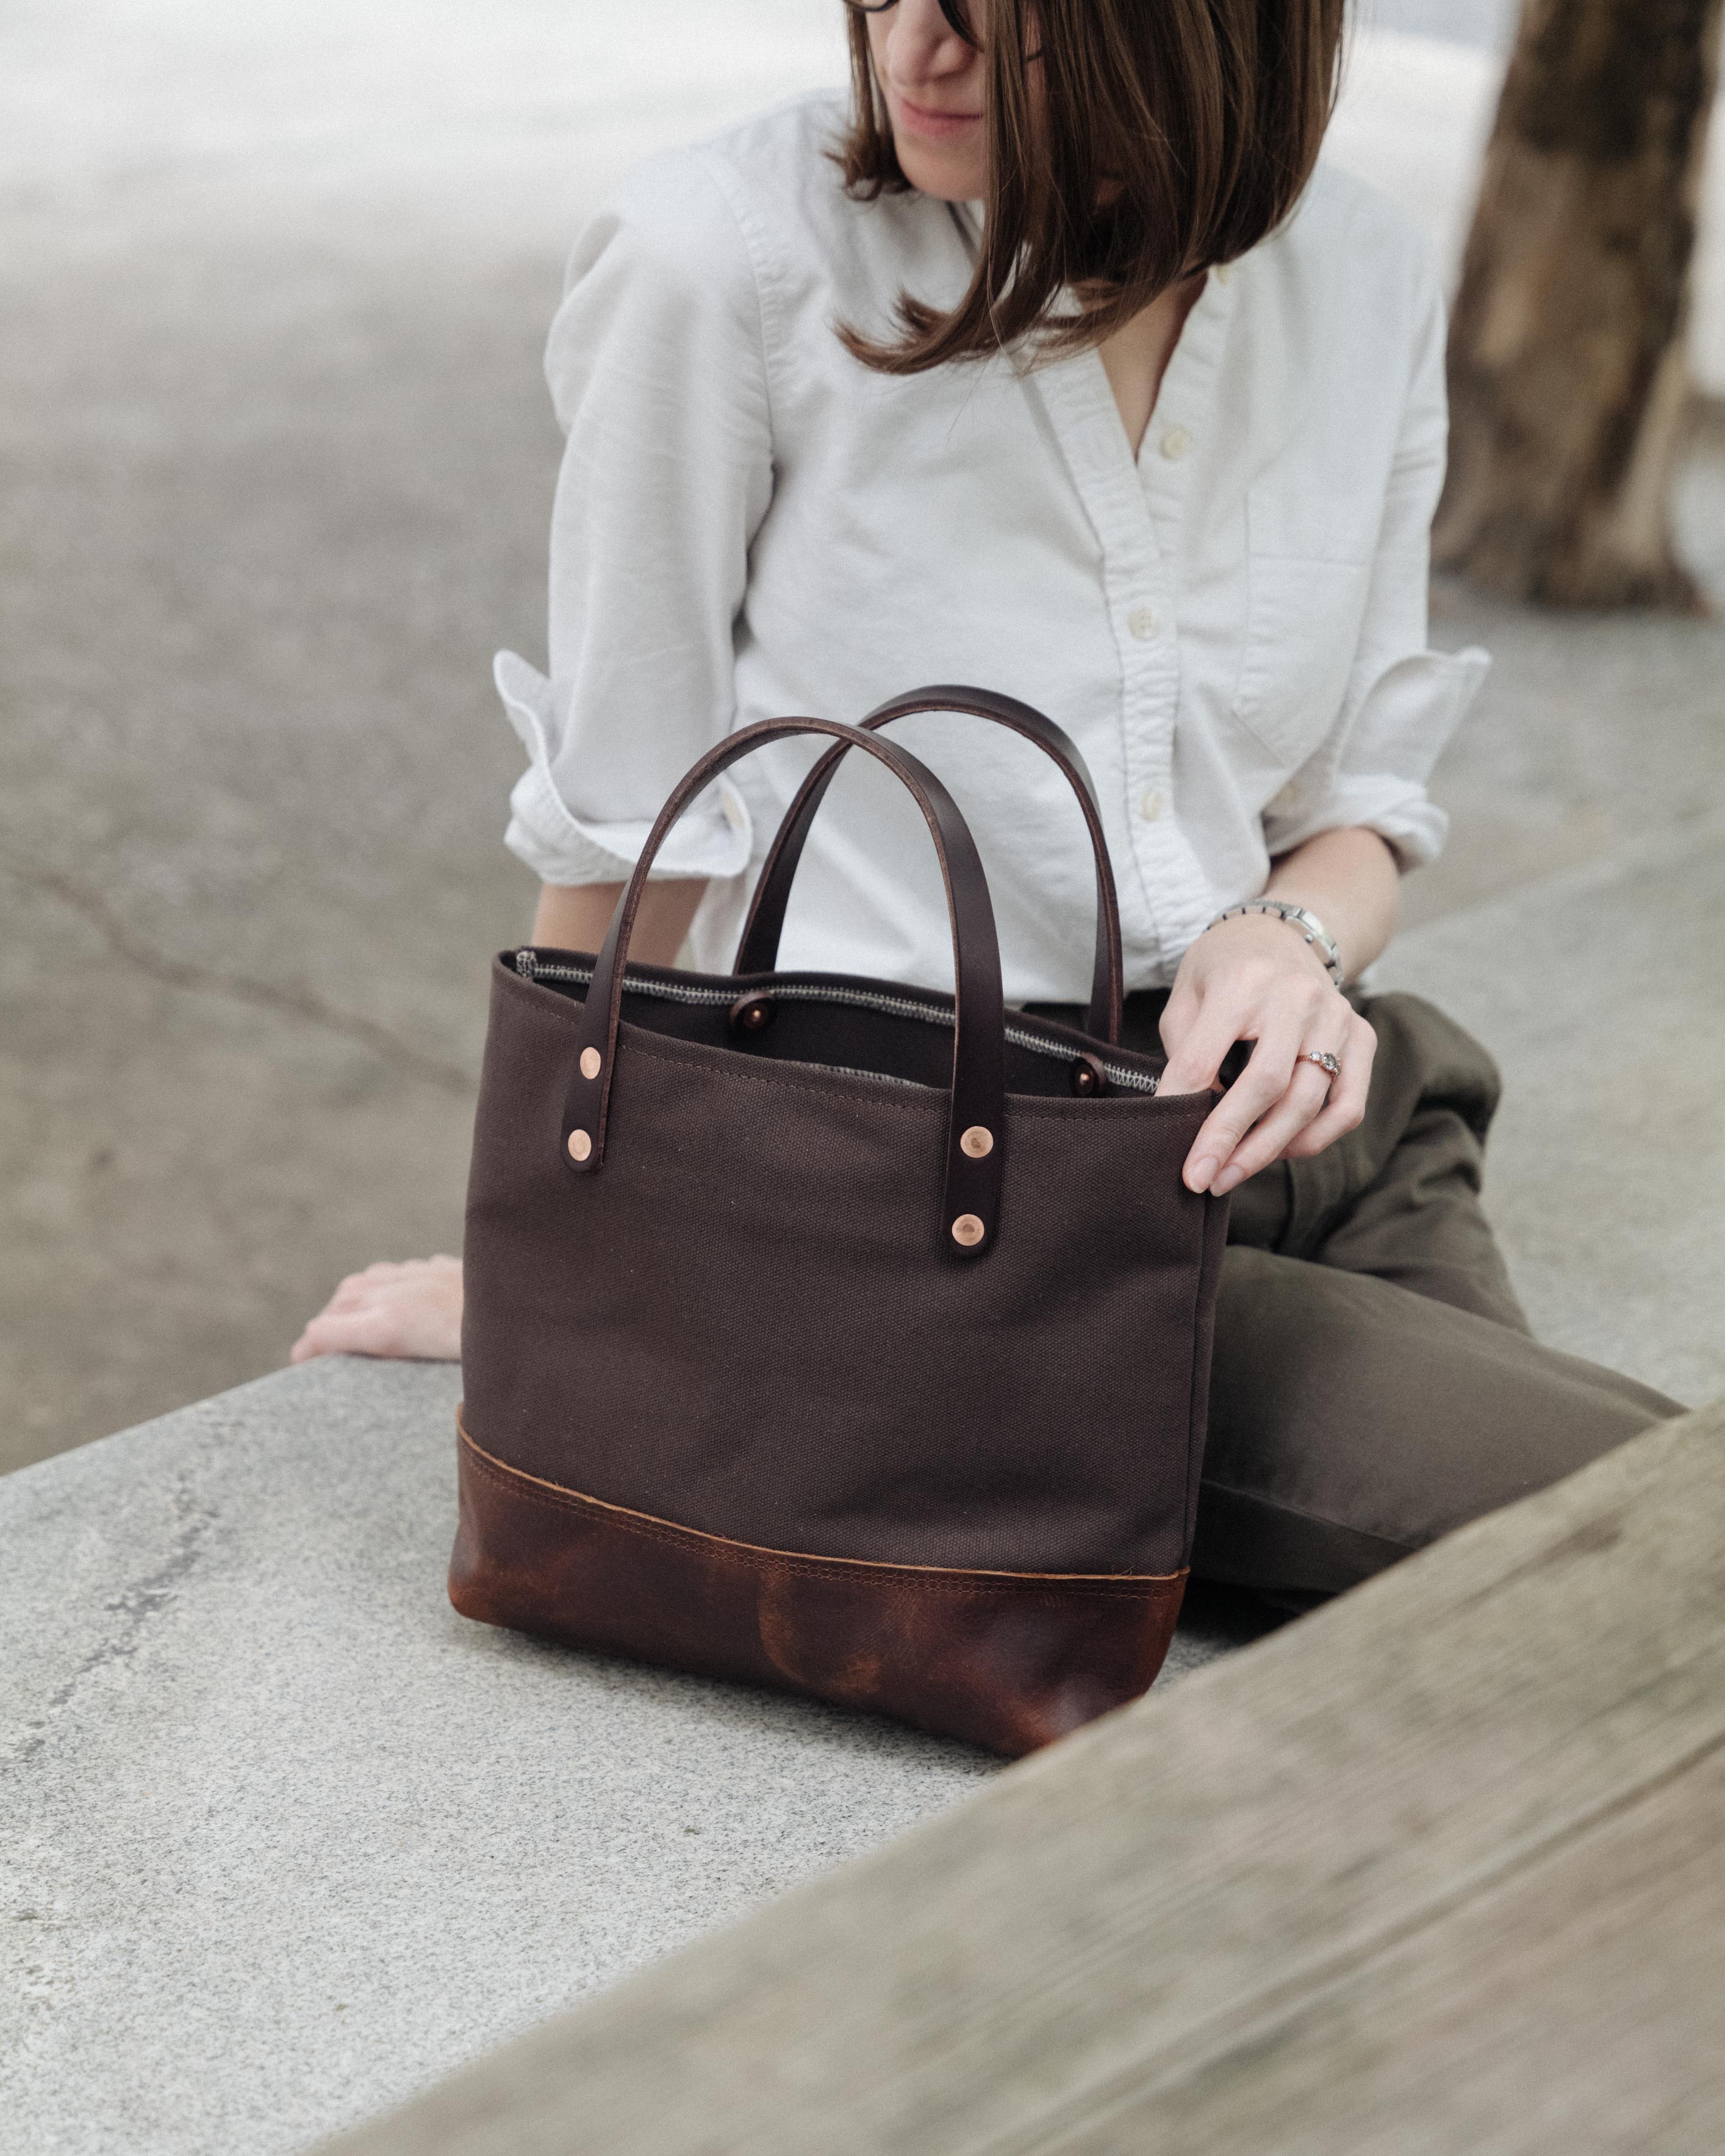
(713, 837)
(1403, 726)
(1406, 817)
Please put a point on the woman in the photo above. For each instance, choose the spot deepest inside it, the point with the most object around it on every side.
(1054, 367)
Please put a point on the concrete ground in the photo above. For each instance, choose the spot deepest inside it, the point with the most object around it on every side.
(279, 462)
(286, 1839)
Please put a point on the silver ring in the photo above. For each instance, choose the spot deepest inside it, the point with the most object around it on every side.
(1330, 1065)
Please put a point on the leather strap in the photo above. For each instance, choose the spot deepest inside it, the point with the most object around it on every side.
(758, 951)
(978, 1099)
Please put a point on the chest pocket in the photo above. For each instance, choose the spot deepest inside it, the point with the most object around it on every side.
(1308, 570)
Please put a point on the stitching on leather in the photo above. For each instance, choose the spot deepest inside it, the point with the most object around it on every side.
(1035, 1587)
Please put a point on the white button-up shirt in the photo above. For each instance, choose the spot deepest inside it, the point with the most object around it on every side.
(1232, 625)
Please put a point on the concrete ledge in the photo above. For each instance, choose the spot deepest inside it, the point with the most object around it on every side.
(285, 1839)
(1599, 991)
(1434, 1871)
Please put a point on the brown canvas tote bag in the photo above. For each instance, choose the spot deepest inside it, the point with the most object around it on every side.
(831, 1333)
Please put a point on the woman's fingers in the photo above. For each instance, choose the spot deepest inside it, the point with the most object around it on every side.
(1198, 1067)
(1346, 1108)
(1278, 1104)
(1276, 1133)
(1196, 1038)
(1251, 1096)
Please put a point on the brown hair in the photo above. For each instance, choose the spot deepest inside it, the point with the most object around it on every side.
(1173, 134)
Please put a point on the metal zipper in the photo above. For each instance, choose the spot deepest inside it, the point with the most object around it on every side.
(531, 969)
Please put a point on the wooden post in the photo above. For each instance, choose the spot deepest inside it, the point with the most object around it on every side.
(1436, 1871)
(1568, 378)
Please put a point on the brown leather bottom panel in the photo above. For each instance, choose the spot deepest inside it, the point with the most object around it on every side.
(1008, 1660)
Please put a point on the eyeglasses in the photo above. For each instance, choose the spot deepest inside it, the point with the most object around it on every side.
(955, 12)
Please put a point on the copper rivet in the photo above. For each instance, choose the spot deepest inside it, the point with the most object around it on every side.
(978, 1142)
(968, 1230)
(590, 1059)
(580, 1145)
(751, 1013)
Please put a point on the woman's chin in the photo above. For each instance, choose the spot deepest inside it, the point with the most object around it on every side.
(940, 155)
(948, 177)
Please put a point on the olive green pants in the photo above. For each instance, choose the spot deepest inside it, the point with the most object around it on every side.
(1375, 1382)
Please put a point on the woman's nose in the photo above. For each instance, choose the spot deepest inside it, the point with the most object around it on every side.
(921, 43)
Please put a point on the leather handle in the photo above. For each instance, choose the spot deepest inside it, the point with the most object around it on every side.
(978, 1097)
(758, 952)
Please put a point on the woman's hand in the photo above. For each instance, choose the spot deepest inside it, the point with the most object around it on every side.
(1253, 978)
(413, 1310)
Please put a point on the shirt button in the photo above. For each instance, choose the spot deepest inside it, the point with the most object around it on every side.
(1175, 443)
(1144, 623)
(1150, 808)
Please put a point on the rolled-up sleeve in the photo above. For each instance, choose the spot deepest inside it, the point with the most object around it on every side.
(1403, 701)
(658, 374)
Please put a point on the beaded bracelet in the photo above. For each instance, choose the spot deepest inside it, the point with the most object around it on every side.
(1312, 929)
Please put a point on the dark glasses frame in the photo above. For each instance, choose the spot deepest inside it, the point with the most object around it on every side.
(954, 11)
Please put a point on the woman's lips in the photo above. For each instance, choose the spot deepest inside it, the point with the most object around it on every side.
(936, 126)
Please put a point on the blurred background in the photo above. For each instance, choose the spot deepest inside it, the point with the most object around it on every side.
(273, 282)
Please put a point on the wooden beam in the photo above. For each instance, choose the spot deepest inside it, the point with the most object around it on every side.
(1435, 1871)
